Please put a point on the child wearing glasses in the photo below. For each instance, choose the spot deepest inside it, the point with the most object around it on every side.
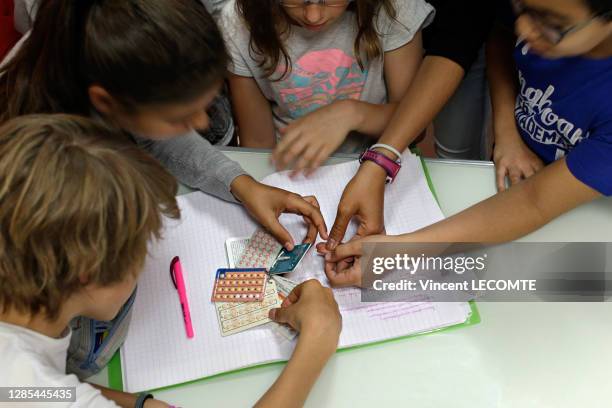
(553, 129)
(306, 74)
(552, 102)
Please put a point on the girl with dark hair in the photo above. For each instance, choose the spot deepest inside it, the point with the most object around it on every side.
(306, 74)
(150, 68)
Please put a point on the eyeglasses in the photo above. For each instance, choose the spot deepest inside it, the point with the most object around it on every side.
(551, 33)
(304, 3)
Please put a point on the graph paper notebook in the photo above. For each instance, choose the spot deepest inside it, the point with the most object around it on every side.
(157, 353)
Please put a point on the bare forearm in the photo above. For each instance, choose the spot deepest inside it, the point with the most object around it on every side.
(514, 213)
(301, 372)
(252, 112)
(255, 129)
(123, 399)
(504, 217)
(400, 68)
(435, 83)
(255, 140)
(372, 119)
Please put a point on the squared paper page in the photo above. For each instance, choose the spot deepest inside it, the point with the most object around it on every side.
(157, 352)
(409, 206)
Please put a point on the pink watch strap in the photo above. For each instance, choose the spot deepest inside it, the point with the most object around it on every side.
(391, 167)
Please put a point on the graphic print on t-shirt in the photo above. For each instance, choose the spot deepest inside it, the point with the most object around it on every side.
(536, 117)
(319, 78)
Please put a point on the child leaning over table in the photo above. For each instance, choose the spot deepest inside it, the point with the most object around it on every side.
(79, 49)
(552, 124)
(78, 204)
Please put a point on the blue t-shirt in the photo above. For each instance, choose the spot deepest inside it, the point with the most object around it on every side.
(564, 109)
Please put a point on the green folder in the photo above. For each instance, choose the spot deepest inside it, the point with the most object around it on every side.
(115, 377)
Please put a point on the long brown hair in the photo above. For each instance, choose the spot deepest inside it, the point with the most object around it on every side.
(141, 51)
(267, 23)
(77, 200)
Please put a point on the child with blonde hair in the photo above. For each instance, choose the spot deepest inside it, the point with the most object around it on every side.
(78, 205)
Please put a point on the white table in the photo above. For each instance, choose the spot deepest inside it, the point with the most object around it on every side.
(520, 355)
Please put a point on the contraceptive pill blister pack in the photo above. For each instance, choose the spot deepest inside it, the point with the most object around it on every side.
(261, 251)
(234, 248)
(240, 285)
(237, 308)
(237, 317)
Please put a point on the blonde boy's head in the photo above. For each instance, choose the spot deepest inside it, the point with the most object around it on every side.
(78, 203)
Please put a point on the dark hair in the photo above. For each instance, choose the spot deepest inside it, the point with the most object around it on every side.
(140, 51)
(267, 23)
(601, 8)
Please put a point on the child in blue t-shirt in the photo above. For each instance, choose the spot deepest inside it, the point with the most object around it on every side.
(559, 107)
(552, 124)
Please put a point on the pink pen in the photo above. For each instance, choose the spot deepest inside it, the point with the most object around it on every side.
(176, 273)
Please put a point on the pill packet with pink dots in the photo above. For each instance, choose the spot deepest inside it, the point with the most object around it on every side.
(261, 251)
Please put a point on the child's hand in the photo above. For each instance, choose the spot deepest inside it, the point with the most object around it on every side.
(363, 198)
(310, 309)
(514, 159)
(310, 140)
(267, 203)
(343, 264)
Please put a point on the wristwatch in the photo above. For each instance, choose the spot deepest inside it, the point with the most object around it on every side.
(391, 167)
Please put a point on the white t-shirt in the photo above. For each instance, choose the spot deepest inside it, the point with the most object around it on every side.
(324, 65)
(30, 359)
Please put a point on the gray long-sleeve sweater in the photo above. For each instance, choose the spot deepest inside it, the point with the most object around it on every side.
(190, 158)
(195, 163)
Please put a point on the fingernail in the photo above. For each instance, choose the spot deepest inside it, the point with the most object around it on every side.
(288, 246)
(332, 244)
(328, 257)
(272, 313)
